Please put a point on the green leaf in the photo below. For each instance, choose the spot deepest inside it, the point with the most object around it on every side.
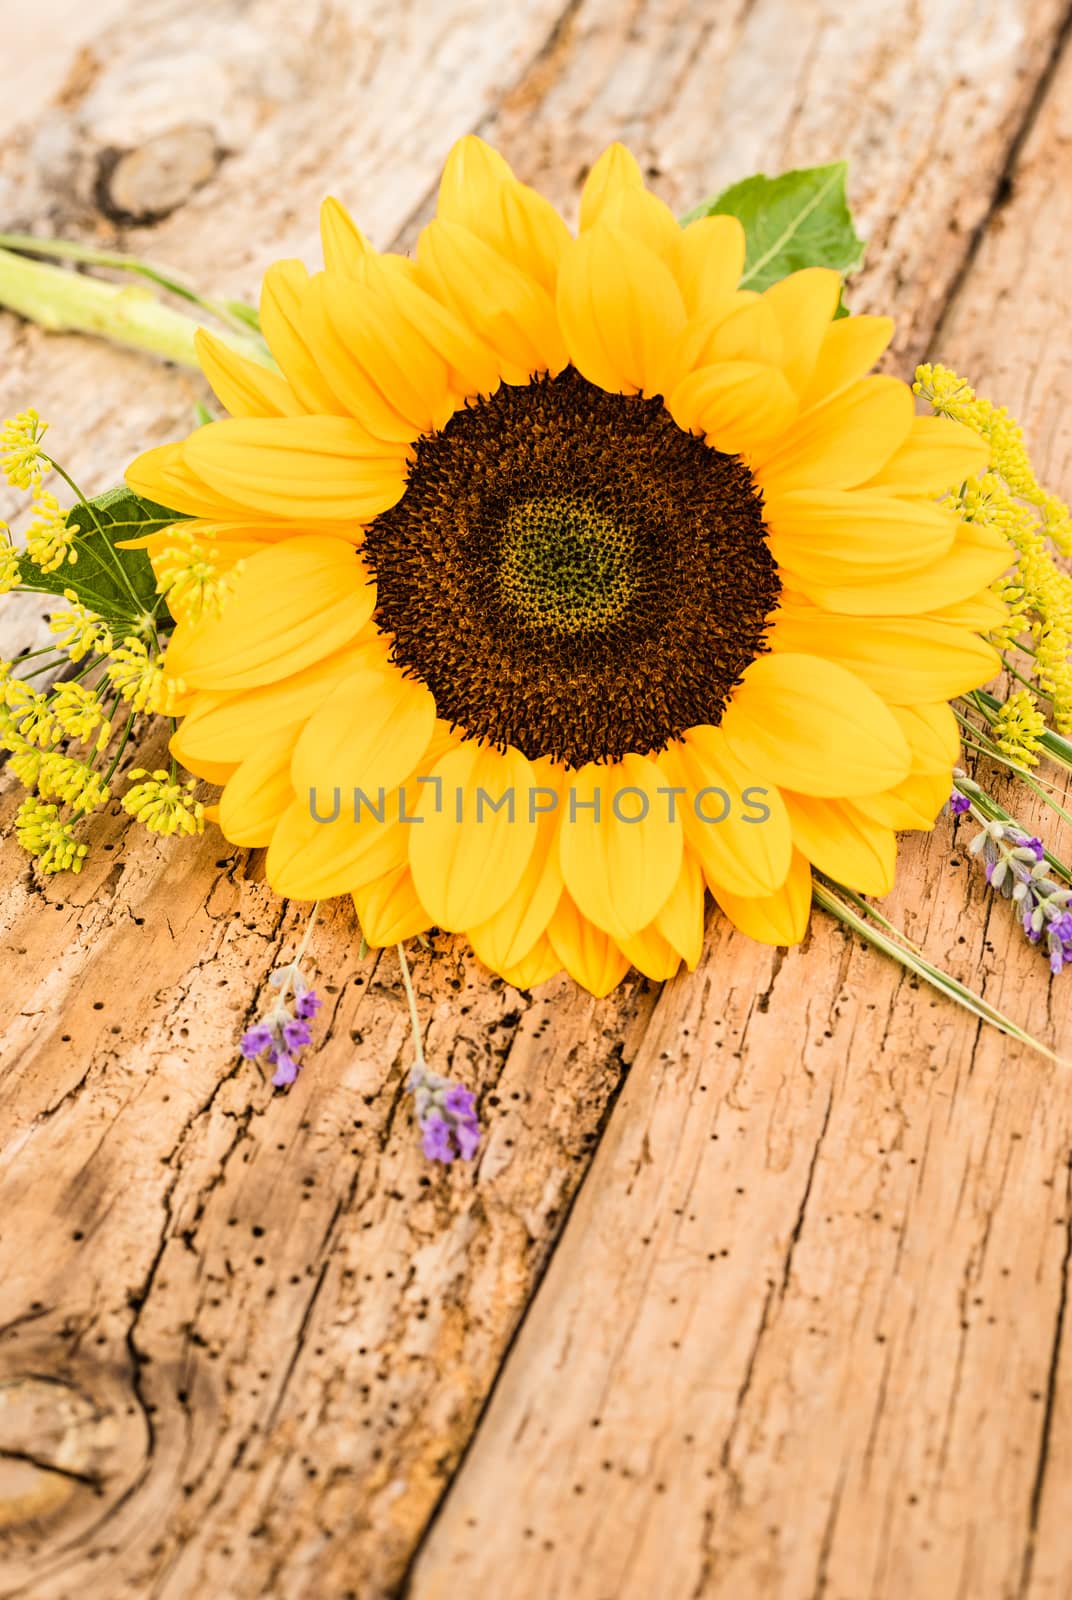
(801, 219)
(119, 585)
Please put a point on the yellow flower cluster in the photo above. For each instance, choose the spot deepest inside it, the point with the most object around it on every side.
(50, 539)
(59, 739)
(79, 631)
(42, 832)
(9, 561)
(163, 804)
(139, 678)
(22, 460)
(1009, 498)
(188, 572)
(1017, 728)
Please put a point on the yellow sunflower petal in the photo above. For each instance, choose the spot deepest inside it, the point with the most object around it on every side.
(316, 860)
(244, 387)
(621, 313)
(681, 917)
(843, 842)
(651, 953)
(803, 304)
(736, 826)
(231, 726)
(537, 967)
(832, 537)
(619, 843)
(479, 191)
(255, 798)
(933, 736)
(474, 367)
(744, 328)
(391, 367)
(300, 467)
(509, 310)
(849, 349)
(296, 603)
(937, 454)
(779, 918)
(369, 734)
(589, 955)
(914, 803)
(842, 442)
(977, 557)
(470, 850)
(345, 246)
(163, 475)
(503, 941)
(906, 660)
(737, 405)
(389, 909)
(647, 220)
(339, 315)
(284, 297)
(809, 724)
(615, 171)
(217, 772)
(981, 613)
(712, 260)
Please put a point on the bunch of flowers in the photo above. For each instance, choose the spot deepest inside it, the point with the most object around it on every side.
(424, 560)
(68, 709)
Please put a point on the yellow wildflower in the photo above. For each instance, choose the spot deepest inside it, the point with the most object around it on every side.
(188, 572)
(1009, 498)
(25, 761)
(139, 677)
(79, 631)
(41, 831)
(164, 805)
(31, 712)
(50, 539)
(22, 460)
(1017, 727)
(62, 777)
(9, 561)
(79, 711)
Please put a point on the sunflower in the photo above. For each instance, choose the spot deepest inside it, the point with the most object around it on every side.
(593, 580)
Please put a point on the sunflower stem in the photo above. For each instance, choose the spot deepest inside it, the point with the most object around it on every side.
(71, 302)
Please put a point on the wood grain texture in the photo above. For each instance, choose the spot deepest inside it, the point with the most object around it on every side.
(809, 1304)
(838, 1222)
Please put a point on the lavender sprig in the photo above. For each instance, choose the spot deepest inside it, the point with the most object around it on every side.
(1016, 866)
(283, 1032)
(446, 1111)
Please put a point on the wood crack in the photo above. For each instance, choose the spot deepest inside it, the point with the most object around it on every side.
(1050, 1402)
(1004, 185)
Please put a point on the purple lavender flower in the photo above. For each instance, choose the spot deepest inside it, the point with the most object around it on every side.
(446, 1116)
(959, 803)
(459, 1101)
(1015, 863)
(279, 1036)
(286, 1070)
(256, 1040)
(296, 1034)
(436, 1141)
(468, 1136)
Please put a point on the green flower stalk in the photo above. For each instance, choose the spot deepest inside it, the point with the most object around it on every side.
(72, 302)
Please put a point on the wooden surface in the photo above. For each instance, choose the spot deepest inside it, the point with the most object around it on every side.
(759, 1285)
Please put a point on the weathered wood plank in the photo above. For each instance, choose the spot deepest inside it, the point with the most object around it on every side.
(285, 1424)
(806, 1331)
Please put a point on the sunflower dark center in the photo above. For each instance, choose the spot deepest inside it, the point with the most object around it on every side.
(571, 573)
